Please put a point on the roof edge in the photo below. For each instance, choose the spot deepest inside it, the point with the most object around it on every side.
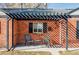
(73, 10)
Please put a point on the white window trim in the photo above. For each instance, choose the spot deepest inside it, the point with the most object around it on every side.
(37, 30)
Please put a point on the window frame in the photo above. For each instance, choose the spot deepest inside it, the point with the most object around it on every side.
(37, 28)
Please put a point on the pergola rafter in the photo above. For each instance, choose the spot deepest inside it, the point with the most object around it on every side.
(34, 14)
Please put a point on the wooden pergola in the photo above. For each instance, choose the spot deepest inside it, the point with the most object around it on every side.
(34, 14)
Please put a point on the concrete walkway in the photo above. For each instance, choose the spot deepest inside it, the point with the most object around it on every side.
(3, 49)
(54, 51)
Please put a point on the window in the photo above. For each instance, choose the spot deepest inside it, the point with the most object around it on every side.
(37, 27)
(77, 30)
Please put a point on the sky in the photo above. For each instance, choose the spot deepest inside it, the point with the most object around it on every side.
(55, 5)
(63, 5)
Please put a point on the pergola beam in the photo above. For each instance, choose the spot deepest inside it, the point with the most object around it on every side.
(7, 33)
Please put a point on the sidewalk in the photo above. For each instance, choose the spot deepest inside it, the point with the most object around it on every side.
(54, 51)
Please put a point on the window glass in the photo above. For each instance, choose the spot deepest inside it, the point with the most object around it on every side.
(38, 27)
(35, 27)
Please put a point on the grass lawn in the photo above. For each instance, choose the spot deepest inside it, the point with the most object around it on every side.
(17, 52)
(71, 52)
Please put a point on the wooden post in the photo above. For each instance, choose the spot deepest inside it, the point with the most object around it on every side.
(7, 33)
(66, 34)
(12, 33)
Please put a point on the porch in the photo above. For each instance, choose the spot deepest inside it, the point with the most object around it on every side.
(20, 25)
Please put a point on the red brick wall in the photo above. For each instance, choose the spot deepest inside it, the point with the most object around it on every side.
(10, 33)
(72, 28)
(3, 32)
(22, 26)
(15, 29)
(72, 40)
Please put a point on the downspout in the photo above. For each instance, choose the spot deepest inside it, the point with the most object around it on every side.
(7, 33)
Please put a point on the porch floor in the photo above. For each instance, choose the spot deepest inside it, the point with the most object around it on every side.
(29, 47)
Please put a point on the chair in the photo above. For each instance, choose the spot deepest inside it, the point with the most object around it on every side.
(47, 40)
(28, 39)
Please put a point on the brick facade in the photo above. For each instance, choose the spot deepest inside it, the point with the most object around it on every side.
(21, 27)
(3, 32)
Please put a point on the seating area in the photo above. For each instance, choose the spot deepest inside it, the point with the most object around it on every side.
(29, 41)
